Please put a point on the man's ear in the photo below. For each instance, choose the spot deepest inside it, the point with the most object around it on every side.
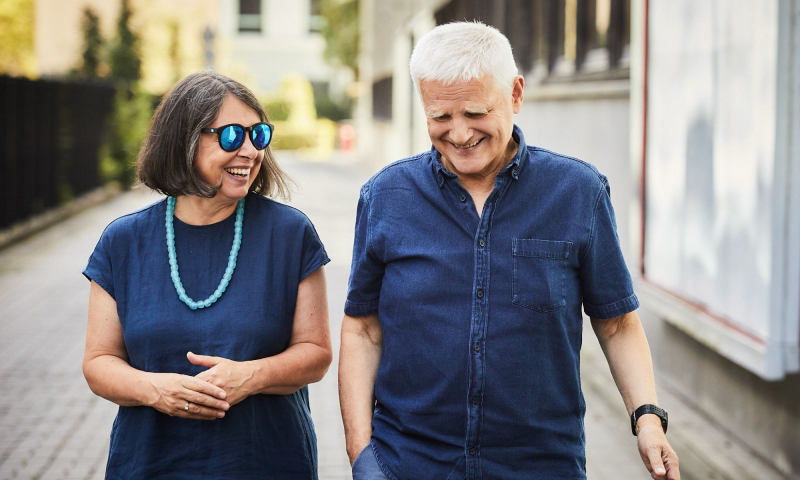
(517, 93)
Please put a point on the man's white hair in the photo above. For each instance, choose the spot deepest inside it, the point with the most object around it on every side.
(463, 51)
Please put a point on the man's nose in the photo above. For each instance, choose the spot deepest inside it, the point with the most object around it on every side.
(461, 132)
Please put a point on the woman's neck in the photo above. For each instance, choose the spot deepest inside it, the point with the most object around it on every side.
(203, 211)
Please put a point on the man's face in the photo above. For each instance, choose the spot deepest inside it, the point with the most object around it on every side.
(470, 123)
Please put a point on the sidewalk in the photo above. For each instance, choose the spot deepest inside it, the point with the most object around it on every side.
(52, 426)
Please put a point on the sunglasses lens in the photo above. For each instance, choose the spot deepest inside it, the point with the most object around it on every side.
(231, 137)
(261, 136)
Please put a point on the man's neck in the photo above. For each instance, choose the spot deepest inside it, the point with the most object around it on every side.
(480, 186)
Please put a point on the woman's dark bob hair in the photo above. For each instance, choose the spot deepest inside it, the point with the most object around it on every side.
(166, 161)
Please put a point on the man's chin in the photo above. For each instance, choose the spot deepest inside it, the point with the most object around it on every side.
(468, 168)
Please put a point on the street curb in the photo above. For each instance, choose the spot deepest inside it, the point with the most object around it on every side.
(24, 229)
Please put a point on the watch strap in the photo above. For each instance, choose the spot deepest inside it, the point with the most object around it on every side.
(649, 409)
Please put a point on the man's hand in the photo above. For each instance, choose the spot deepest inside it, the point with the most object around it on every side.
(233, 377)
(658, 456)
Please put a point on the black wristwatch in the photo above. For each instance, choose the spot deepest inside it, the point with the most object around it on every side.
(644, 410)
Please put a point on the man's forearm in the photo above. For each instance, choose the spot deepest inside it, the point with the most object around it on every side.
(628, 354)
(359, 356)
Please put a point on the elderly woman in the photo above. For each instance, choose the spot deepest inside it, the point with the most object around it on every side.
(207, 310)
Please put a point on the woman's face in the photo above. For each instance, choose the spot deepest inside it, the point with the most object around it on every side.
(236, 170)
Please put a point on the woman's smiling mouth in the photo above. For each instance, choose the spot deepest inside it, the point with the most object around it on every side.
(239, 172)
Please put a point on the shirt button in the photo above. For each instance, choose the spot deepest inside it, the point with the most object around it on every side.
(480, 293)
(514, 172)
(473, 451)
(477, 347)
(482, 243)
(463, 198)
(475, 400)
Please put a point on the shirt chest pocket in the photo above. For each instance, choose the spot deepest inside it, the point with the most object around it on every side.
(539, 273)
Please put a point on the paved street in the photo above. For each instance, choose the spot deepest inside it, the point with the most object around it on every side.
(52, 426)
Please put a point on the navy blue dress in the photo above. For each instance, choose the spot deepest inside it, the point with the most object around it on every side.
(264, 436)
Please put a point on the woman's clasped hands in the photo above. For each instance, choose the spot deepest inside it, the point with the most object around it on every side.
(235, 378)
(206, 396)
(187, 397)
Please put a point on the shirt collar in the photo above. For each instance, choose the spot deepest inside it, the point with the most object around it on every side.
(514, 167)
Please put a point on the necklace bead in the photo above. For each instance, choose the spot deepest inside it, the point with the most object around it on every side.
(173, 257)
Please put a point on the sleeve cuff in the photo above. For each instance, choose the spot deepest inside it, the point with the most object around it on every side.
(321, 262)
(359, 309)
(611, 310)
(94, 278)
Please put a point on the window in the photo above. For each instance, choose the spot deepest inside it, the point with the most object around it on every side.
(556, 40)
(721, 209)
(382, 100)
(250, 16)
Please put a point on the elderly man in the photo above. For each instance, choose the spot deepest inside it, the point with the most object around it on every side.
(462, 328)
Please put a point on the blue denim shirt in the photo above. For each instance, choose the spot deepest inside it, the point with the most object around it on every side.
(479, 375)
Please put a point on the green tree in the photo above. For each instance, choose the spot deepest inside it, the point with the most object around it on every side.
(341, 32)
(124, 59)
(92, 45)
(17, 37)
(128, 123)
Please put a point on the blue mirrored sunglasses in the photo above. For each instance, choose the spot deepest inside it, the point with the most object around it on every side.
(231, 136)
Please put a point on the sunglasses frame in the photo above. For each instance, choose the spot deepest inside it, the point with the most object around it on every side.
(219, 130)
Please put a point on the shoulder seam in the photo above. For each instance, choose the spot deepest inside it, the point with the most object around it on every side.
(272, 200)
(567, 157)
(143, 209)
(594, 221)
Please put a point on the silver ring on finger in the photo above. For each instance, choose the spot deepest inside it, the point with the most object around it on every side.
(186, 408)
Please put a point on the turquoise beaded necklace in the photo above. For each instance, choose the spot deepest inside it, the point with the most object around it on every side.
(173, 258)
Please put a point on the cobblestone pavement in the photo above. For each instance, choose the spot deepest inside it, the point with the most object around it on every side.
(52, 426)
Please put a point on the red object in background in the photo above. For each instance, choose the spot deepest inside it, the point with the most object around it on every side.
(347, 137)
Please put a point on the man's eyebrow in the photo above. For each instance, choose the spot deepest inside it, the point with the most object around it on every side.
(435, 114)
(476, 111)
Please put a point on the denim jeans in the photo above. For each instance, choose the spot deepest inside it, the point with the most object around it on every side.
(366, 467)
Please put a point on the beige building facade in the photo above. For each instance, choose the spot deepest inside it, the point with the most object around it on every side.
(257, 42)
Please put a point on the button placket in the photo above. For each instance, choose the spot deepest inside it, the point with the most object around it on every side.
(477, 335)
(478, 332)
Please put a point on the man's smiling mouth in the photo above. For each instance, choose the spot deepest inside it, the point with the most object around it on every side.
(470, 145)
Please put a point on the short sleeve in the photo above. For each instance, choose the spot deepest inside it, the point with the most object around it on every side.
(100, 268)
(606, 283)
(314, 255)
(366, 271)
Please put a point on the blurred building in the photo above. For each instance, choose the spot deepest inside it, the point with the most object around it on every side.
(254, 41)
(692, 109)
